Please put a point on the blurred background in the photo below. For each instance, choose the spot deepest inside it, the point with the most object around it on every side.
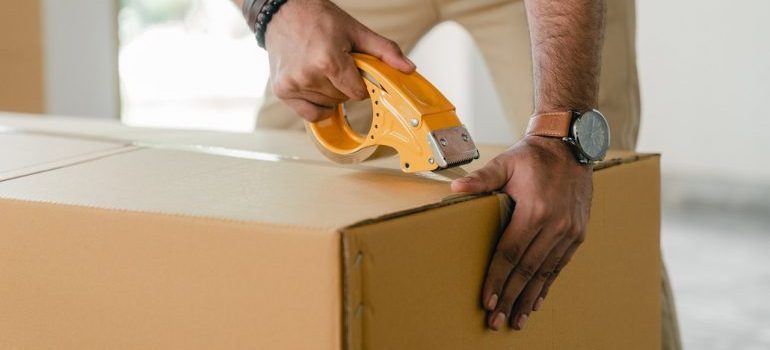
(705, 79)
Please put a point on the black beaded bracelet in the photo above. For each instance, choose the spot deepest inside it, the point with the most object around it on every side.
(266, 14)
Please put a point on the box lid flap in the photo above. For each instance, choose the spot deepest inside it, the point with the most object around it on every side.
(186, 183)
(24, 154)
(229, 176)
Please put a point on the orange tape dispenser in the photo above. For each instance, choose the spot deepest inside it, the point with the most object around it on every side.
(409, 115)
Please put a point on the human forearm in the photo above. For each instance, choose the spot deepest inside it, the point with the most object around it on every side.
(551, 189)
(567, 39)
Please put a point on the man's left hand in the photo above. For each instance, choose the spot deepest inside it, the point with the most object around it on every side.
(552, 192)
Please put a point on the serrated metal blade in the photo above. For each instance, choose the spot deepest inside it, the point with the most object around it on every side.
(446, 175)
(452, 146)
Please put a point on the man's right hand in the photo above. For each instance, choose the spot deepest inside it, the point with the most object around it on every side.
(309, 43)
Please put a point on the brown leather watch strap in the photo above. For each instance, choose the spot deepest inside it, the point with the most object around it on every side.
(552, 124)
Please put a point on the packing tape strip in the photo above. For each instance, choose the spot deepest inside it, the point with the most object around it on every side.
(16, 130)
(446, 175)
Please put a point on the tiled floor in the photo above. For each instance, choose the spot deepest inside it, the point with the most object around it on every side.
(720, 269)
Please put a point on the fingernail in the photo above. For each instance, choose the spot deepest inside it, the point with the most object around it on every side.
(521, 321)
(492, 302)
(498, 321)
(538, 303)
(464, 179)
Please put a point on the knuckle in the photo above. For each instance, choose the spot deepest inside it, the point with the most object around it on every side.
(359, 90)
(540, 211)
(392, 45)
(510, 254)
(531, 228)
(552, 271)
(476, 175)
(303, 80)
(558, 268)
(556, 271)
(328, 66)
(526, 271)
(559, 226)
(579, 236)
(557, 259)
(545, 274)
(281, 88)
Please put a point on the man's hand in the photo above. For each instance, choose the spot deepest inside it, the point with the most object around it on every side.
(309, 43)
(552, 192)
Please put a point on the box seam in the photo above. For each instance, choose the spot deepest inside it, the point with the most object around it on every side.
(352, 260)
(67, 162)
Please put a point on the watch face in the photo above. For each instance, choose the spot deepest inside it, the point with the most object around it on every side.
(592, 135)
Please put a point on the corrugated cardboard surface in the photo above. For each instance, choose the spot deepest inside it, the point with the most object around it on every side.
(87, 278)
(26, 153)
(423, 294)
(262, 144)
(185, 183)
(21, 56)
(282, 142)
(169, 247)
(290, 144)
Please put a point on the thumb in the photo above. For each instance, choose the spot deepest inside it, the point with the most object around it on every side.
(369, 42)
(491, 177)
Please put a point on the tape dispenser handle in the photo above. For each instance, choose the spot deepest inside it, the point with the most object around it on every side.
(392, 94)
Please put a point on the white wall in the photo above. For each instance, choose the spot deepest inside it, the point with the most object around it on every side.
(705, 75)
(444, 59)
(80, 45)
(704, 69)
(448, 58)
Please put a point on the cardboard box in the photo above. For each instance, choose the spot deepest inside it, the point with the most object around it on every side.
(127, 238)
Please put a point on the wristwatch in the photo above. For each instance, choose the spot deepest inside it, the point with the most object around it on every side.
(587, 132)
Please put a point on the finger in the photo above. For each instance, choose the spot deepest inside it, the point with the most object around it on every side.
(347, 80)
(318, 89)
(513, 244)
(310, 111)
(529, 300)
(367, 41)
(522, 273)
(325, 93)
(319, 99)
(566, 257)
(312, 88)
(494, 175)
(313, 106)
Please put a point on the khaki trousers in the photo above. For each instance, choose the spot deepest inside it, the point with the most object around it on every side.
(499, 29)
